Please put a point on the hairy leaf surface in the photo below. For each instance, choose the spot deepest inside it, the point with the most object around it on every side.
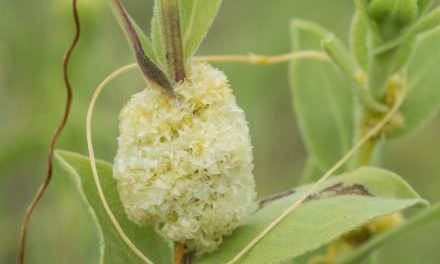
(342, 204)
(146, 43)
(196, 19)
(323, 103)
(113, 249)
(427, 217)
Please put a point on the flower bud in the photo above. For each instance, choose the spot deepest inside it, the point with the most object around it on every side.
(185, 164)
(392, 16)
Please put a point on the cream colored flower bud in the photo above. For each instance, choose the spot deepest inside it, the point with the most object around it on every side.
(185, 164)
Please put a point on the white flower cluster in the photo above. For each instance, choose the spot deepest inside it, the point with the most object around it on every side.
(185, 164)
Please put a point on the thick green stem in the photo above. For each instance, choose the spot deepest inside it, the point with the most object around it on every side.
(379, 70)
(366, 119)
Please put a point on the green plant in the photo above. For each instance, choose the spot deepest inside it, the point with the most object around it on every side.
(383, 89)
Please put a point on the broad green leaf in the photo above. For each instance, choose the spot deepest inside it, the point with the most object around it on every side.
(423, 93)
(373, 258)
(196, 19)
(113, 249)
(330, 213)
(427, 217)
(146, 43)
(323, 103)
(305, 258)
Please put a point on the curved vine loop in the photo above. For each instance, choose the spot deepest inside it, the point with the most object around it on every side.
(41, 191)
(244, 59)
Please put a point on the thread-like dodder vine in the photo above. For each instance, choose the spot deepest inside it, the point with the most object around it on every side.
(109, 212)
(265, 60)
(55, 136)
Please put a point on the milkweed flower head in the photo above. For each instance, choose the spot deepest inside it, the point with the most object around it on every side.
(185, 164)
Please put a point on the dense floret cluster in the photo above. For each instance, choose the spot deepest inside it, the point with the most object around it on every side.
(185, 164)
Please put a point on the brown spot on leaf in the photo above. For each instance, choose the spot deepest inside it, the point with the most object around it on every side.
(332, 191)
(338, 190)
(269, 199)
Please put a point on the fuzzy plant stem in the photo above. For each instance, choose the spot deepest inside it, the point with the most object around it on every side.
(179, 252)
(54, 139)
(181, 255)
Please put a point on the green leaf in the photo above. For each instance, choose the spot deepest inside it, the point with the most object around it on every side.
(137, 39)
(323, 103)
(334, 48)
(324, 218)
(358, 41)
(423, 94)
(403, 55)
(336, 51)
(392, 16)
(362, 10)
(383, 65)
(305, 258)
(146, 43)
(427, 217)
(157, 40)
(428, 22)
(423, 6)
(167, 15)
(196, 19)
(113, 249)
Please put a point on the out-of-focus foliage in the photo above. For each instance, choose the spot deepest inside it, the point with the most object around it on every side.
(33, 36)
(423, 93)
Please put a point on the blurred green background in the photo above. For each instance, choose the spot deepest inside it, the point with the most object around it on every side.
(33, 37)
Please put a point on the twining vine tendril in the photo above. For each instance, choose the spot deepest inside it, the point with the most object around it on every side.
(55, 136)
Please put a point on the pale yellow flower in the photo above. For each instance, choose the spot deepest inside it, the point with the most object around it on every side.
(185, 164)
